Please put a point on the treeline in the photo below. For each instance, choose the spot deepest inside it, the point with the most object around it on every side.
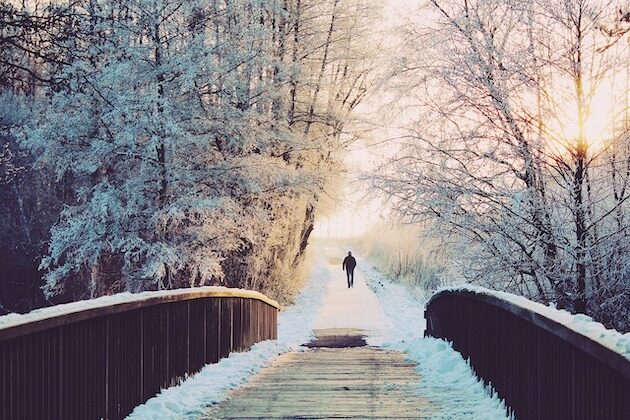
(155, 144)
(517, 151)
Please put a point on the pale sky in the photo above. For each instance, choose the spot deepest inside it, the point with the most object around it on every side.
(355, 214)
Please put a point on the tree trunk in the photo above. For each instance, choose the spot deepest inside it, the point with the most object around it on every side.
(578, 179)
(318, 85)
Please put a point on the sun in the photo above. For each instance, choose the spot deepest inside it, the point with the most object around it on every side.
(562, 124)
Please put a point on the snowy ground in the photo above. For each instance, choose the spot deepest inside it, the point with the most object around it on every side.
(213, 383)
(356, 308)
(384, 310)
(446, 379)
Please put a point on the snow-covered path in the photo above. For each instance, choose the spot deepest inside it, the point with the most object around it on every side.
(338, 376)
(352, 308)
(385, 313)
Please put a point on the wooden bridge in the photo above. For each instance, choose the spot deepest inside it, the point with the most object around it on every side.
(101, 362)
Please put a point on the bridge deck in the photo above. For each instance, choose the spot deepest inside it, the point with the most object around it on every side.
(330, 381)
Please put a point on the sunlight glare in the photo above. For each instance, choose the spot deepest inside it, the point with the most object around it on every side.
(598, 124)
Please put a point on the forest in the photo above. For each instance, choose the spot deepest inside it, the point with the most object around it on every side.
(156, 144)
(514, 162)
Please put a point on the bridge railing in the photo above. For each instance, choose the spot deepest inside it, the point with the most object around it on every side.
(542, 368)
(101, 361)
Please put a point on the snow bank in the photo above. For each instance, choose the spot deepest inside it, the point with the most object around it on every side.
(212, 384)
(580, 323)
(449, 382)
(446, 379)
(11, 320)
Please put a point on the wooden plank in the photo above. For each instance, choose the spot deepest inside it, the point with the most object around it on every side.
(352, 382)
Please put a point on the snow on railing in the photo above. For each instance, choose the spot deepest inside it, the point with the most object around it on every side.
(100, 358)
(580, 323)
(119, 302)
(545, 363)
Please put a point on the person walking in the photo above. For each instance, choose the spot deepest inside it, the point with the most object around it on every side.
(348, 264)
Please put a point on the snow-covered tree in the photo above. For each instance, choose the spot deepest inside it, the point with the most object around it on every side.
(191, 139)
(503, 155)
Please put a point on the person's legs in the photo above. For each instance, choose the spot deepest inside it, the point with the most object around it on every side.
(352, 278)
(348, 274)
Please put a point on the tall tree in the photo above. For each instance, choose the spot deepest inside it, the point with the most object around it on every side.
(504, 156)
(176, 131)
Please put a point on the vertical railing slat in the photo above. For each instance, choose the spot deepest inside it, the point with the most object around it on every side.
(539, 374)
(101, 367)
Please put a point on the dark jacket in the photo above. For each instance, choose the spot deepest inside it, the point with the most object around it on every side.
(349, 263)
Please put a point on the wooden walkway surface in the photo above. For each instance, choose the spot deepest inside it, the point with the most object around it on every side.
(330, 381)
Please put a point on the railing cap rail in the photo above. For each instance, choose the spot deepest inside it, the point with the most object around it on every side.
(16, 325)
(527, 312)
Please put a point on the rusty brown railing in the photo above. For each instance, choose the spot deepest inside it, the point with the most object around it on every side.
(543, 369)
(103, 361)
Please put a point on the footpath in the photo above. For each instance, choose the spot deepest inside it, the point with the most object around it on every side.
(343, 374)
(340, 353)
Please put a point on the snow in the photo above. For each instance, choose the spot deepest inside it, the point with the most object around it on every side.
(355, 308)
(446, 379)
(212, 384)
(387, 313)
(580, 323)
(13, 319)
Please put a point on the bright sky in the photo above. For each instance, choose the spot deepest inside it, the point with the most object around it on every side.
(355, 213)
